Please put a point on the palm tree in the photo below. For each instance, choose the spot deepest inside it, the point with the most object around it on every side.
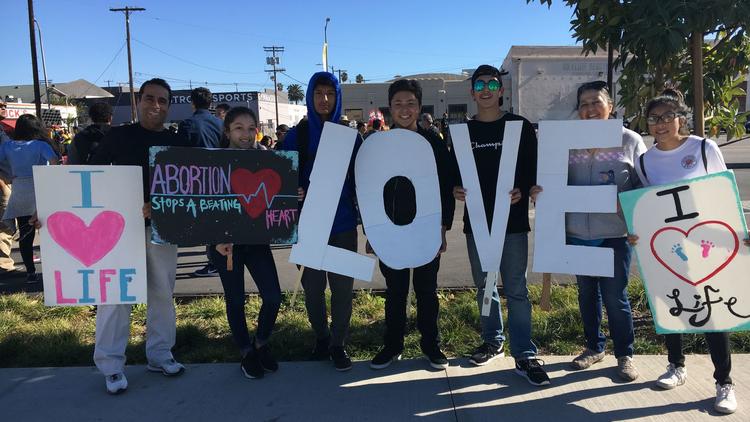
(294, 92)
(279, 86)
(359, 78)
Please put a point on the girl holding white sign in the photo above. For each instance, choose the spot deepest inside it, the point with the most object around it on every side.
(604, 166)
(679, 156)
(31, 147)
(240, 128)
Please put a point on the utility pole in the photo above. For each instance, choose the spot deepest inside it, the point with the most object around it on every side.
(34, 66)
(108, 81)
(44, 66)
(127, 10)
(273, 61)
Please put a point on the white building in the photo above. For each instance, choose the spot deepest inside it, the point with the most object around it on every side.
(544, 80)
(541, 84)
(441, 93)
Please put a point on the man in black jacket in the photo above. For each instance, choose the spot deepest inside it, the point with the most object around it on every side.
(405, 100)
(85, 143)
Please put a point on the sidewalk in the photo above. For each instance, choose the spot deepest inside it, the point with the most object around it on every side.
(314, 391)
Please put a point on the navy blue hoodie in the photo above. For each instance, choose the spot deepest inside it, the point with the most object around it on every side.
(346, 214)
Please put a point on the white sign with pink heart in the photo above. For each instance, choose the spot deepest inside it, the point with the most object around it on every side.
(691, 255)
(92, 235)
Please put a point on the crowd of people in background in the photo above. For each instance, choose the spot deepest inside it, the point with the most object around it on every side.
(236, 128)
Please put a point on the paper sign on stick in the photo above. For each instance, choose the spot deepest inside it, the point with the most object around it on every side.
(556, 139)
(690, 253)
(321, 200)
(92, 235)
(489, 243)
(383, 156)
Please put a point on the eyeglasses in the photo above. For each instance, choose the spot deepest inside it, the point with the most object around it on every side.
(492, 85)
(667, 117)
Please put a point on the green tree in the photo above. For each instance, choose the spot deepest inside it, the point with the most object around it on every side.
(344, 77)
(295, 93)
(359, 78)
(279, 86)
(661, 43)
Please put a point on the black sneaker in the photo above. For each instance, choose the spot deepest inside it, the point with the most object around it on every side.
(385, 357)
(321, 352)
(32, 278)
(340, 359)
(207, 271)
(532, 370)
(266, 359)
(485, 354)
(251, 366)
(436, 357)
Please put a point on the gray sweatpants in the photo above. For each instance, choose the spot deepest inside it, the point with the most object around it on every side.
(113, 321)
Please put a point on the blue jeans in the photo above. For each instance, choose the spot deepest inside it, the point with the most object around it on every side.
(513, 275)
(259, 261)
(592, 291)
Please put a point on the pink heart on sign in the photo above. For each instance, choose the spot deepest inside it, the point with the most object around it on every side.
(716, 226)
(88, 244)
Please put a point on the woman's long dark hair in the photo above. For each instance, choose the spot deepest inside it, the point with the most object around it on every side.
(29, 128)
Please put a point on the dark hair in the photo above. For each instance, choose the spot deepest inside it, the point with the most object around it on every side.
(669, 97)
(360, 125)
(29, 127)
(376, 124)
(200, 97)
(599, 86)
(672, 98)
(223, 106)
(487, 70)
(158, 82)
(235, 112)
(324, 82)
(266, 141)
(100, 112)
(409, 85)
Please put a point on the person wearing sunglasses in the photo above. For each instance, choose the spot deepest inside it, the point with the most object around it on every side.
(604, 166)
(486, 132)
(676, 156)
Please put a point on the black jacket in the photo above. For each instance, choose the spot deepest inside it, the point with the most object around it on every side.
(399, 195)
(85, 143)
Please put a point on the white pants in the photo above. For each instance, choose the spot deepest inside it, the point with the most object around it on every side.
(113, 321)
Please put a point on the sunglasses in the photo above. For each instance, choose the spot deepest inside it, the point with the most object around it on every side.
(492, 85)
(667, 117)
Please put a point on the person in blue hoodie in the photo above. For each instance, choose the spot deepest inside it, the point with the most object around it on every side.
(324, 105)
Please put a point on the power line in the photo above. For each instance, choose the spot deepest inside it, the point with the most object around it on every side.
(105, 70)
(194, 63)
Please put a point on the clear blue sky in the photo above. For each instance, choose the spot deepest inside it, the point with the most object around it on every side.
(220, 41)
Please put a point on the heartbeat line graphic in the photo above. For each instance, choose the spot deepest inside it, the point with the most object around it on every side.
(262, 187)
(246, 198)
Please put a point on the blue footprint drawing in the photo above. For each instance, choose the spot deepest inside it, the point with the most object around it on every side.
(677, 250)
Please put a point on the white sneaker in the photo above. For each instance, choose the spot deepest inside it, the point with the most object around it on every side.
(169, 367)
(725, 400)
(117, 383)
(674, 377)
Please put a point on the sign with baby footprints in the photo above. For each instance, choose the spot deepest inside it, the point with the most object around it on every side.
(92, 235)
(691, 254)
